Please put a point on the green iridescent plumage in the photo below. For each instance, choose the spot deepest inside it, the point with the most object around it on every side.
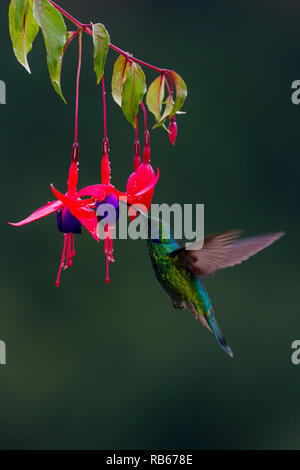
(179, 270)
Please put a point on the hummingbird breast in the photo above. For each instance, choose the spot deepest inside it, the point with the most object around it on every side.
(178, 282)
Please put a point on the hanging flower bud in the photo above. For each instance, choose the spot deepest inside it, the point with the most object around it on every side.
(145, 173)
(105, 164)
(146, 151)
(137, 158)
(131, 187)
(173, 130)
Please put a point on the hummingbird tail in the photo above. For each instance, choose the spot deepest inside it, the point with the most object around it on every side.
(211, 320)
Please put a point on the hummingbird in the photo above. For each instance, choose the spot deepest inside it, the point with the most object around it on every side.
(180, 270)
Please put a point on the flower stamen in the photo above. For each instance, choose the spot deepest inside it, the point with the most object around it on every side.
(62, 262)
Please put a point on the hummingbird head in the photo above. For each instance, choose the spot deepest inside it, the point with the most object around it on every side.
(159, 231)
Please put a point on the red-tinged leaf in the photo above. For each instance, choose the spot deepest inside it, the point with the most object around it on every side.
(101, 45)
(134, 89)
(23, 29)
(121, 69)
(81, 211)
(48, 209)
(55, 35)
(155, 96)
(168, 108)
(20, 7)
(181, 92)
(69, 37)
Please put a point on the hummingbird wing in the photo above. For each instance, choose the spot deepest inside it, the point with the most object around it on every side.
(222, 251)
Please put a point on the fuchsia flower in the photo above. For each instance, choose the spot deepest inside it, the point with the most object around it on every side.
(143, 174)
(106, 193)
(72, 212)
(131, 186)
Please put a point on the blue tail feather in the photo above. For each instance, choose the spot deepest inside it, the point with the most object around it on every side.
(218, 334)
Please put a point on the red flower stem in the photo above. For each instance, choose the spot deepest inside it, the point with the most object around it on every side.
(136, 128)
(146, 151)
(137, 61)
(167, 76)
(77, 88)
(71, 39)
(145, 115)
(87, 30)
(105, 164)
(104, 108)
(66, 14)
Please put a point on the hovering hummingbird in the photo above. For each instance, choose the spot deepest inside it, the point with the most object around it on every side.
(180, 270)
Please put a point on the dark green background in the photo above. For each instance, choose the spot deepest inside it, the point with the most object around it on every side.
(91, 366)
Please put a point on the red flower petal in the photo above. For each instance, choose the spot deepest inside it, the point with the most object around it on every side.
(131, 188)
(99, 191)
(72, 178)
(43, 211)
(81, 211)
(146, 188)
(145, 176)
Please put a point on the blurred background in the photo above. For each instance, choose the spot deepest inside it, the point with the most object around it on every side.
(91, 366)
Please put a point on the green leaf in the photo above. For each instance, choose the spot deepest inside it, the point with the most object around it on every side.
(121, 69)
(20, 6)
(134, 89)
(168, 109)
(155, 96)
(55, 36)
(22, 28)
(181, 92)
(101, 44)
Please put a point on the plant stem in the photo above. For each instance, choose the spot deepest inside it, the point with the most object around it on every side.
(66, 14)
(71, 39)
(136, 128)
(104, 108)
(77, 87)
(167, 76)
(145, 115)
(87, 30)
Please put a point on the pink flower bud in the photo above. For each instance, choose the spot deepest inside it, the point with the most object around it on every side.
(146, 151)
(146, 154)
(137, 158)
(173, 131)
